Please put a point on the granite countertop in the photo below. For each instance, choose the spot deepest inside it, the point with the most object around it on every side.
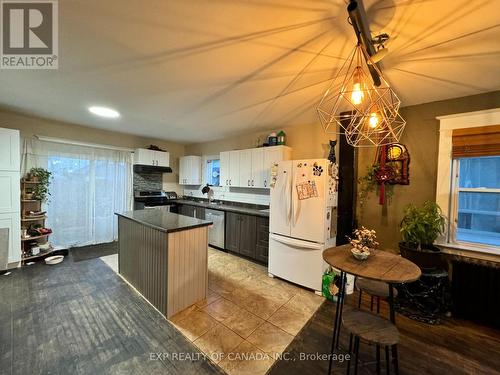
(163, 220)
(238, 208)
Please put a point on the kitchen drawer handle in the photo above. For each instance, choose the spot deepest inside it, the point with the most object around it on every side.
(248, 183)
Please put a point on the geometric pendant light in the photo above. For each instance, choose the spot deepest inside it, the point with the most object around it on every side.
(367, 114)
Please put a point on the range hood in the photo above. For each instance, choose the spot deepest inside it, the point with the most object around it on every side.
(142, 168)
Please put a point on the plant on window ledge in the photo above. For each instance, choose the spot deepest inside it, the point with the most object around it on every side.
(41, 190)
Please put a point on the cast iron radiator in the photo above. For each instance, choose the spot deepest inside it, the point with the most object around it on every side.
(476, 293)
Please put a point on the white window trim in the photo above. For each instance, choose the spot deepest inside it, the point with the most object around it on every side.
(446, 195)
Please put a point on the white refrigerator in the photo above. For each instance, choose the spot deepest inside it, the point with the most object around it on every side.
(303, 220)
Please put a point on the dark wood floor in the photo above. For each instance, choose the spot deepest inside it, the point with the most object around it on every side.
(81, 318)
(456, 347)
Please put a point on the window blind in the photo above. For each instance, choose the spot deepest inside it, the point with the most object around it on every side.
(478, 141)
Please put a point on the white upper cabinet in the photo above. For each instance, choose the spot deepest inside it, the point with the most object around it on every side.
(9, 150)
(273, 155)
(225, 165)
(245, 168)
(230, 168)
(251, 167)
(234, 168)
(143, 156)
(190, 170)
(258, 170)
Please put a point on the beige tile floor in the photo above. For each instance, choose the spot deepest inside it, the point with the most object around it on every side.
(248, 318)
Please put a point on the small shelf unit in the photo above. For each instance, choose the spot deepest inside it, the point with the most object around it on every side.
(30, 204)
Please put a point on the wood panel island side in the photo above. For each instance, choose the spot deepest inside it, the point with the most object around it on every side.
(165, 257)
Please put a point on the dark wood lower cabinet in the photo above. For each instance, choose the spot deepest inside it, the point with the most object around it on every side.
(262, 248)
(192, 211)
(186, 210)
(232, 232)
(247, 235)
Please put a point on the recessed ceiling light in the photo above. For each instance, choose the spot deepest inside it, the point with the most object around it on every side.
(104, 112)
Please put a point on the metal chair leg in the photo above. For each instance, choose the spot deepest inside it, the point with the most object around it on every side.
(342, 293)
(350, 352)
(378, 359)
(356, 353)
(335, 325)
(395, 358)
(387, 361)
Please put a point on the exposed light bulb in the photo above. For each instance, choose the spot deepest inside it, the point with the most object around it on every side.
(374, 120)
(357, 94)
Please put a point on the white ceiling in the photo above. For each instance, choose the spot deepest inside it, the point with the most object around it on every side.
(198, 70)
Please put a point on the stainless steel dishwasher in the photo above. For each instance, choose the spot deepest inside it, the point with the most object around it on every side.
(216, 232)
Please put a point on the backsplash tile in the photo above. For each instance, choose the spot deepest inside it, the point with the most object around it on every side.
(148, 181)
(244, 195)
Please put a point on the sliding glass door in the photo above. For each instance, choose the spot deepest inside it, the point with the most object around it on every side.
(88, 186)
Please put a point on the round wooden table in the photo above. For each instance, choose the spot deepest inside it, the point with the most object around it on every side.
(381, 266)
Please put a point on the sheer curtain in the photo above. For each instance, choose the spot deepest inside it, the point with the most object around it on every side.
(89, 185)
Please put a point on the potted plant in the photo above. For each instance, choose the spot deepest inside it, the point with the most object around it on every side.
(419, 228)
(41, 190)
(364, 241)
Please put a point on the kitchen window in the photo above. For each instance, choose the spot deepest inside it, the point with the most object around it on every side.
(212, 172)
(476, 201)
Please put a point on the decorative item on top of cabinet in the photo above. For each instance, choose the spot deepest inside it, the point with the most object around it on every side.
(281, 138)
(190, 170)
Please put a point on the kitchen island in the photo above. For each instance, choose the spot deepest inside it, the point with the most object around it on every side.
(164, 256)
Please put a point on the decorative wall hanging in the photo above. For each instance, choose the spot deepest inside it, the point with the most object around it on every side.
(398, 159)
(331, 156)
(391, 167)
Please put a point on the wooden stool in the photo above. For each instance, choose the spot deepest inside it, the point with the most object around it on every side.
(373, 329)
(376, 289)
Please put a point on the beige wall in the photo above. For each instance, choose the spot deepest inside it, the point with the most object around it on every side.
(31, 126)
(421, 137)
(307, 141)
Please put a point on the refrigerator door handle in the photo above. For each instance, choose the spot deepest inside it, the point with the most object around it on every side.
(288, 193)
(285, 194)
(297, 243)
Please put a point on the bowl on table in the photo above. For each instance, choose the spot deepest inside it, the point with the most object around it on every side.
(360, 254)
